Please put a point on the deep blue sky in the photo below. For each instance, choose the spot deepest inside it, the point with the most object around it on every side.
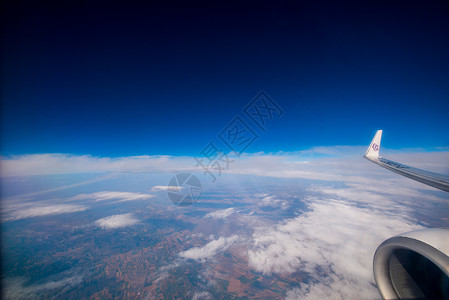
(125, 78)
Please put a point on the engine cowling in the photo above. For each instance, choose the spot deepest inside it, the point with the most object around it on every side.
(414, 265)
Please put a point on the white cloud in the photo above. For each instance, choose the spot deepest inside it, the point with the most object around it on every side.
(346, 218)
(111, 195)
(22, 208)
(338, 163)
(59, 188)
(117, 221)
(349, 213)
(165, 271)
(221, 214)
(16, 288)
(334, 243)
(58, 163)
(320, 163)
(210, 249)
(271, 201)
(38, 209)
(336, 288)
(172, 188)
(260, 195)
(202, 296)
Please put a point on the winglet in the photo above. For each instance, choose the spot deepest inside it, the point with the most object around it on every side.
(374, 148)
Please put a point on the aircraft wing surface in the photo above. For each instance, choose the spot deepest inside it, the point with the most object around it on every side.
(435, 180)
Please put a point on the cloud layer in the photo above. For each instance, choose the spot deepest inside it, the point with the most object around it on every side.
(317, 163)
(39, 210)
(58, 163)
(23, 208)
(334, 243)
(347, 209)
(111, 195)
(337, 230)
(17, 288)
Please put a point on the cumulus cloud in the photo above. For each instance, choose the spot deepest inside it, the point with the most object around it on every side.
(25, 211)
(271, 201)
(221, 214)
(117, 221)
(334, 243)
(172, 188)
(210, 249)
(111, 195)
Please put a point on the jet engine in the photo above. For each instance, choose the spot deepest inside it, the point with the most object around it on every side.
(414, 265)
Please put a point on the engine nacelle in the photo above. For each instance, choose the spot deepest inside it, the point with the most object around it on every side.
(414, 265)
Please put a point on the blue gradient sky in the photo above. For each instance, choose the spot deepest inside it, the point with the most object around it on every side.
(126, 78)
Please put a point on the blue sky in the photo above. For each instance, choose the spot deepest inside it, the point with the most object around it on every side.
(131, 79)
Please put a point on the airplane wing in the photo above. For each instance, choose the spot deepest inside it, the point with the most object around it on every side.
(412, 265)
(435, 180)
